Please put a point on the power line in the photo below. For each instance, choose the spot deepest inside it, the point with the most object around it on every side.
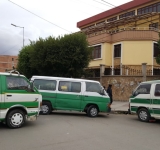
(40, 17)
(101, 3)
(2, 53)
(91, 5)
(111, 4)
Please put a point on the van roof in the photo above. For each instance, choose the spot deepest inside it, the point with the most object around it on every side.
(62, 78)
(7, 73)
(152, 81)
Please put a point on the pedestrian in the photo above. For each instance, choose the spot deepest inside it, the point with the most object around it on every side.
(109, 91)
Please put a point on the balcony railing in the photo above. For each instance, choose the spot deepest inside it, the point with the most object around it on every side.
(122, 34)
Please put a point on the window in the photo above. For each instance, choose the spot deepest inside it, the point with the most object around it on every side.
(107, 71)
(131, 13)
(117, 50)
(67, 86)
(156, 71)
(151, 8)
(16, 83)
(154, 26)
(41, 84)
(157, 90)
(93, 87)
(156, 50)
(96, 53)
(143, 89)
(100, 23)
(116, 71)
(112, 19)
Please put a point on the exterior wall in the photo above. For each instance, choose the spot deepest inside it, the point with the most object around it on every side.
(133, 33)
(137, 52)
(7, 62)
(106, 56)
(123, 85)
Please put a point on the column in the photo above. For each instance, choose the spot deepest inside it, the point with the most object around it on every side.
(144, 71)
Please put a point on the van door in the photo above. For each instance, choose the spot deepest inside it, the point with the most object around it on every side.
(141, 98)
(17, 93)
(92, 95)
(156, 100)
(69, 95)
(48, 90)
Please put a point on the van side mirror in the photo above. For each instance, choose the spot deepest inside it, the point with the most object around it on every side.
(102, 91)
(31, 86)
(135, 93)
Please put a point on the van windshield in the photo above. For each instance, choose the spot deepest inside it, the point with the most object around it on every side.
(142, 89)
(93, 87)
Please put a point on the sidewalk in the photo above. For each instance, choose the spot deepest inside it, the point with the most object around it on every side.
(120, 107)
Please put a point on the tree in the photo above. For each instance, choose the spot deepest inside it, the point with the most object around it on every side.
(65, 56)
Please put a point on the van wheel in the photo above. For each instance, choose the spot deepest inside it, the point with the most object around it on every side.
(15, 118)
(92, 111)
(143, 115)
(46, 108)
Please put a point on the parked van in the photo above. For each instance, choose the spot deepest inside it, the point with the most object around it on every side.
(145, 100)
(19, 101)
(71, 94)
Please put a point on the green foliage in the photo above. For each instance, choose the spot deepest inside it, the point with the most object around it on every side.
(65, 56)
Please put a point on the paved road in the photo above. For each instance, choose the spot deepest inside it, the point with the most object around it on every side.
(75, 131)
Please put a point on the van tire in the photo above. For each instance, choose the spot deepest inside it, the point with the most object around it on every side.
(46, 108)
(92, 111)
(143, 115)
(15, 118)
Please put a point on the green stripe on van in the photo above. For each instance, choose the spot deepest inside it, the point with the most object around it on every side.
(32, 114)
(25, 104)
(140, 101)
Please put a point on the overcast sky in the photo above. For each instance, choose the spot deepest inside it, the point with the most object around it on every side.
(43, 18)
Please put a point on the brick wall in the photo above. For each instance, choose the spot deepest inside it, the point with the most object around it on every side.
(7, 62)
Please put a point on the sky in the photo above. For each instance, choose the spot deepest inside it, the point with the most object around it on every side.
(44, 18)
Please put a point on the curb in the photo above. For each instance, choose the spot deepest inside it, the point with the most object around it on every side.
(119, 112)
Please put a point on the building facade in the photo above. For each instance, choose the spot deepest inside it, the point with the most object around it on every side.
(8, 62)
(124, 37)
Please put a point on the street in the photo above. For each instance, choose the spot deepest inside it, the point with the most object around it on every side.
(76, 131)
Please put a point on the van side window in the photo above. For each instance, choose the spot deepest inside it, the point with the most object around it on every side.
(41, 84)
(143, 89)
(157, 90)
(16, 83)
(68, 86)
(93, 87)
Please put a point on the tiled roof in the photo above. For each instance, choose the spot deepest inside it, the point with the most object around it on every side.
(114, 11)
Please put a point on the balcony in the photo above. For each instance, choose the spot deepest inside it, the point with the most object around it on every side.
(125, 34)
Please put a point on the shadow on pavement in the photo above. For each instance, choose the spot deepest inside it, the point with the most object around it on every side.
(77, 114)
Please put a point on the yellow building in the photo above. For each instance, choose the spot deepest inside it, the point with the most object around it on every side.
(124, 37)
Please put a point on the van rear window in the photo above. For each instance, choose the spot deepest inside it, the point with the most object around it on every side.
(41, 84)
